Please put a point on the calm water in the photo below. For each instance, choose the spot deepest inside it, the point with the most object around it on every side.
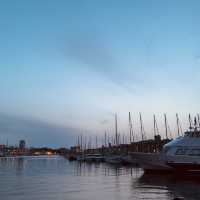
(55, 178)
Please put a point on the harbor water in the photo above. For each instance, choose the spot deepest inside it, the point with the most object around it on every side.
(50, 178)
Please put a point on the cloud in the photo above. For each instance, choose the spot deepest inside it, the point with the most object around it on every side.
(93, 52)
(36, 132)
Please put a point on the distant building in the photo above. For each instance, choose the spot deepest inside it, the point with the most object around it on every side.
(22, 144)
(75, 149)
(2, 146)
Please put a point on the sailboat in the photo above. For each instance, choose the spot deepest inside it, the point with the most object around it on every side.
(114, 158)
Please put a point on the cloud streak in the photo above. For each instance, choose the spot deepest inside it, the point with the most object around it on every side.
(92, 52)
(36, 132)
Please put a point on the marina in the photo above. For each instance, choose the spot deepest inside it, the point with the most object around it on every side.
(99, 100)
(179, 155)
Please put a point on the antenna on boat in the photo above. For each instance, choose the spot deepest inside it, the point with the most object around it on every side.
(166, 129)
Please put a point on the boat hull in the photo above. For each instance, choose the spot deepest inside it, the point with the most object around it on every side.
(151, 162)
(184, 167)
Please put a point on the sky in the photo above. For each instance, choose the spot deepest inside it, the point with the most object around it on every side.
(66, 67)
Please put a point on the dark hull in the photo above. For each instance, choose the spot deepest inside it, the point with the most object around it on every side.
(157, 171)
(176, 168)
(185, 167)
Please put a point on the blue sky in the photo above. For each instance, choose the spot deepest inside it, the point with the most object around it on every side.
(73, 64)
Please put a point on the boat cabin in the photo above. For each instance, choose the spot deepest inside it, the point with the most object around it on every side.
(187, 145)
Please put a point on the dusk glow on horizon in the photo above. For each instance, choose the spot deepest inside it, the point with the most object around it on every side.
(66, 67)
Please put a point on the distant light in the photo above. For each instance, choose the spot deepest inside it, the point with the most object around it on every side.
(49, 153)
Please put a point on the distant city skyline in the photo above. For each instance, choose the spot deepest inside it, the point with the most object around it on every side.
(67, 67)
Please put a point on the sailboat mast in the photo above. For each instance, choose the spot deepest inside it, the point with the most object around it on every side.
(86, 143)
(123, 140)
(105, 138)
(154, 125)
(190, 122)
(108, 139)
(141, 127)
(116, 131)
(195, 122)
(166, 131)
(119, 139)
(96, 142)
(198, 119)
(177, 122)
(130, 128)
(156, 131)
(81, 142)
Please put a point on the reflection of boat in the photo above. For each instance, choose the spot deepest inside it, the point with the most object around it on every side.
(91, 158)
(181, 154)
(94, 158)
(71, 157)
(80, 158)
(113, 159)
(172, 186)
(128, 160)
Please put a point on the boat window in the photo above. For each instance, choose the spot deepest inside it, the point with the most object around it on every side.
(194, 152)
(181, 151)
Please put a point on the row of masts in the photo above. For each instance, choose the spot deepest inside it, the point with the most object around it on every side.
(109, 140)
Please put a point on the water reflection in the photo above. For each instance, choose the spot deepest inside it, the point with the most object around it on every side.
(17, 164)
(172, 185)
(90, 169)
(49, 178)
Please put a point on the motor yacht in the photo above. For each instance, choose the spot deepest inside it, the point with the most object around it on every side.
(180, 154)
